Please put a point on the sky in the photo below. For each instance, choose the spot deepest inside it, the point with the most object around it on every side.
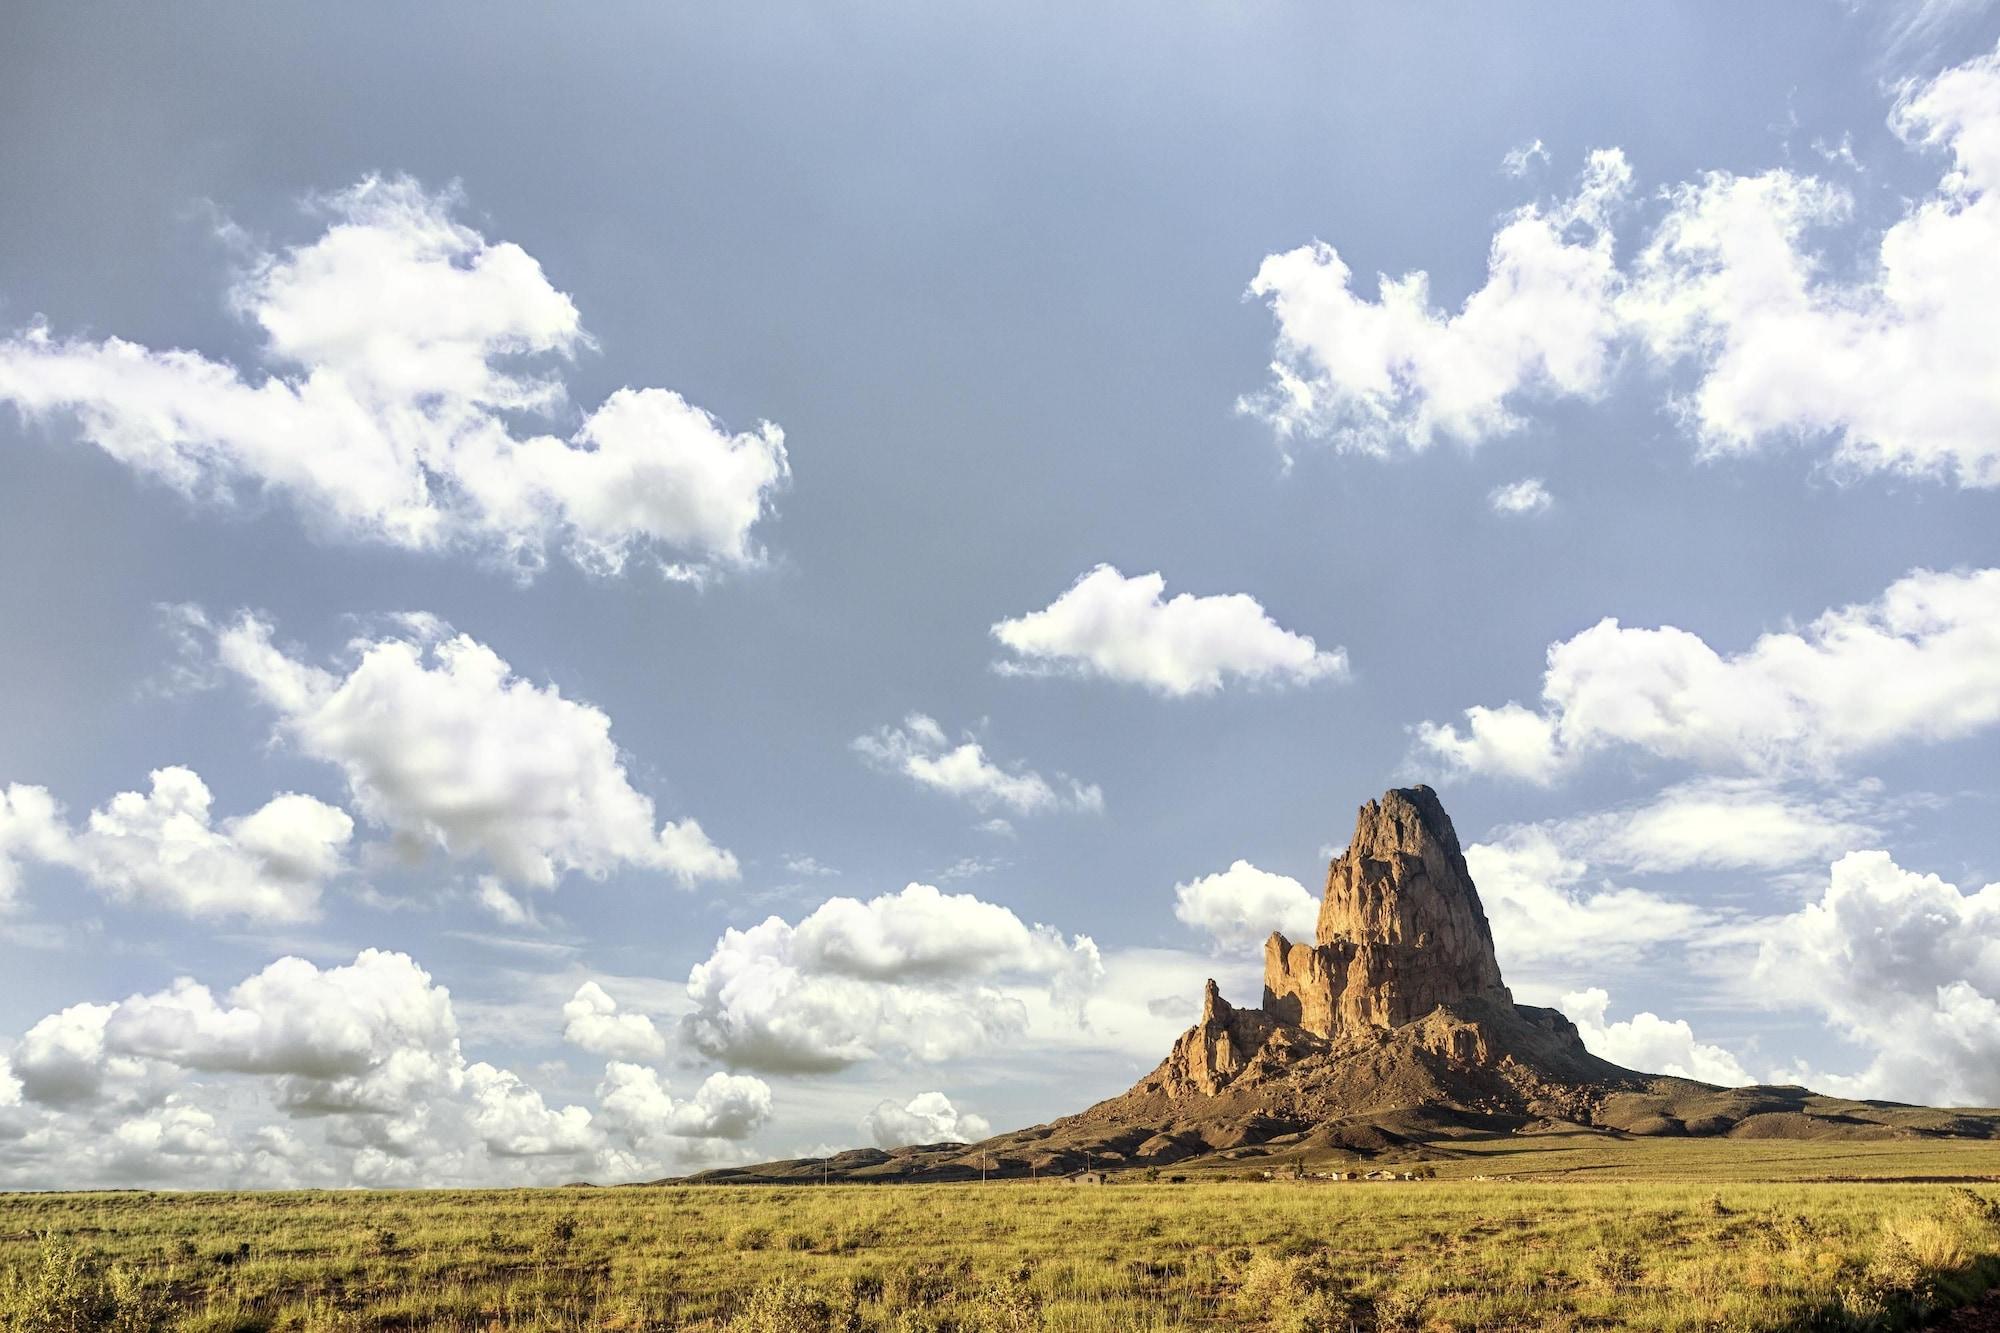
(588, 597)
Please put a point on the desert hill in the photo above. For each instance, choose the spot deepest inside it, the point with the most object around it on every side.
(1392, 1033)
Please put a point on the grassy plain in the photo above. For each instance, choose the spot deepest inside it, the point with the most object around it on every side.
(1561, 1234)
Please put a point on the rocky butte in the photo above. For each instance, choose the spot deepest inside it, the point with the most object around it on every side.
(1391, 1031)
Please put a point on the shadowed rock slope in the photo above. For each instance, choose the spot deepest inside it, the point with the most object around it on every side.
(1392, 1032)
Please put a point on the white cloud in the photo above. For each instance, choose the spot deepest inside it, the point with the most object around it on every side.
(1904, 964)
(1395, 372)
(1520, 159)
(160, 848)
(1804, 700)
(593, 1021)
(397, 347)
(1891, 368)
(302, 1075)
(920, 751)
(1119, 628)
(31, 829)
(367, 1036)
(1242, 905)
(1651, 1044)
(442, 745)
(929, 1117)
(634, 1103)
(1898, 369)
(1717, 824)
(916, 974)
(1526, 496)
(1550, 915)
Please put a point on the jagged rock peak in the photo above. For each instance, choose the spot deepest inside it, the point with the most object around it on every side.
(1401, 929)
(1404, 835)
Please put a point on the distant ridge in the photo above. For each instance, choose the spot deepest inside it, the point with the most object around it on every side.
(1392, 1033)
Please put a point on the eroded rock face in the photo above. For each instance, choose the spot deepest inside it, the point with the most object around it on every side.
(1401, 935)
(1401, 930)
(1210, 1054)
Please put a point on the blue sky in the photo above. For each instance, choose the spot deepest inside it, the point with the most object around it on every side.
(588, 598)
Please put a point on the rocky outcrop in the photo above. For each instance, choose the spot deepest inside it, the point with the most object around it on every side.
(1403, 970)
(1392, 1032)
(1401, 930)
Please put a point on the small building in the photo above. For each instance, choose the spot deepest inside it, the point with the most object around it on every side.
(1086, 1178)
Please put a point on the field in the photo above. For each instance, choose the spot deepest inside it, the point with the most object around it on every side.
(1558, 1234)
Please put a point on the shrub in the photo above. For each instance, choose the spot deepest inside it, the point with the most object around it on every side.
(791, 1307)
(561, 1233)
(1296, 1294)
(1973, 1206)
(1612, 1268)
(68, 1291)
(1399, 1312)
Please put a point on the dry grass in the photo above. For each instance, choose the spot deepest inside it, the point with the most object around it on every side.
(1683, 1243)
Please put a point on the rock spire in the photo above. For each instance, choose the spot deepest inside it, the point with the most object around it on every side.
(1401, 930)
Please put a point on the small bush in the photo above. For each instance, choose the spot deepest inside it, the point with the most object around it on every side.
(791, 1307)
(1611, 1268)
(560, 1234)
(1398, 1312)
(1973, 1206)
(1296, 1295)
(68, 1291)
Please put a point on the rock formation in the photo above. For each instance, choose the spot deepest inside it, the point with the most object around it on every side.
(1400, 929)
(1391, 1032)
(1399, 1002)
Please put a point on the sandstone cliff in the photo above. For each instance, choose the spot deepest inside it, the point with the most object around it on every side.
(1401, 930)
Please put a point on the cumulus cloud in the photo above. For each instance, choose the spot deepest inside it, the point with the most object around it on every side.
(1395, 372)
(1121, 629)
(920, 751)
(916, 974)
(1896, 369)
(1556, 904)
(367, 1036)
(445, 747)
(401, 349)
(361, 1066)
(161, 848)
(1904, 964)
(1889, 367)
(1650, 1043)
(1794, 701)
(633, 1102)
(928, 1117)
(593, 1021)
(1242, 905)
(1526, 496)
(1550, 913)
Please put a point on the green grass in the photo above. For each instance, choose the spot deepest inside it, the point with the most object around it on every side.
(1669, 1235)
